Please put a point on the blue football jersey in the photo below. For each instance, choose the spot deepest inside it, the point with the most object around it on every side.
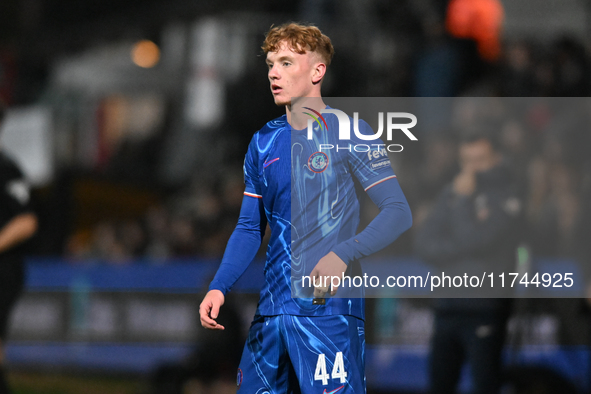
(311, 206)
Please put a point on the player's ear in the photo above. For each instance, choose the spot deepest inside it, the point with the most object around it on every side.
(318, 72)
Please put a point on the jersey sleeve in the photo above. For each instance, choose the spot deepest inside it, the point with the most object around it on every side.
(251, 170)
(373, 170)
(247, 237)
(393, 219)
(243, 244)
(369, 160)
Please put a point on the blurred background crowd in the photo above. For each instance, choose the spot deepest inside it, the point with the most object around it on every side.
(133, 117)
(158, 103)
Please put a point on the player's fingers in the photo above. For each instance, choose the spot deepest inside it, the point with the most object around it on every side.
(215, 311)
(211, 324)
(334, 285)
(214, 326)
(208, 322)
(204, 310)
(319, 292)
(314, 274)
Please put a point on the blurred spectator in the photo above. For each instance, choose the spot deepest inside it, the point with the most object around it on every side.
(479, 20)
(553, 208)
(516, 71)
(433, 173)
(571, 68)
(473, 224)
(459, 45)
(194, 222)
(516, 148)
(156, 222)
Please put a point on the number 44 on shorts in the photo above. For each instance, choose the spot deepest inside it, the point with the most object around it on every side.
(338, 369)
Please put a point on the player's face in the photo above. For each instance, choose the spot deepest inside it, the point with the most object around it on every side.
(478, 156)
(291, 74)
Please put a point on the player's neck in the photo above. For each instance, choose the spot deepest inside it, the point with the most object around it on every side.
(296, 111)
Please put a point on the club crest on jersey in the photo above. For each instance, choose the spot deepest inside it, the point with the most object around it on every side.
(239, 378)
(318, 162)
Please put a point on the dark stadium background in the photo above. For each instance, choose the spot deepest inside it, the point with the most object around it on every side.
(132, 119)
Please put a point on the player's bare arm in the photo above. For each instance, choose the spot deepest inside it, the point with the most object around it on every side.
(18, 230)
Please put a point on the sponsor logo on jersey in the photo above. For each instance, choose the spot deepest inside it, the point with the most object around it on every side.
(377, 154)
(380, 156)
(381, 164)
(318, 162)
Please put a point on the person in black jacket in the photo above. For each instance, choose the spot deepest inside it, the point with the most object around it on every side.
(474, 225)
(17, 224)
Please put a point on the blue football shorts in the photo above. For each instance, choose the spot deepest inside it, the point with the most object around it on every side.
(301, 354)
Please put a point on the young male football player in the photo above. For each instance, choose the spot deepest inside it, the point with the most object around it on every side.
(312, 342)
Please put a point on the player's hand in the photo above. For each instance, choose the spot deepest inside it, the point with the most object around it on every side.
(464, 183)
(210, 309)
(329, 266)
